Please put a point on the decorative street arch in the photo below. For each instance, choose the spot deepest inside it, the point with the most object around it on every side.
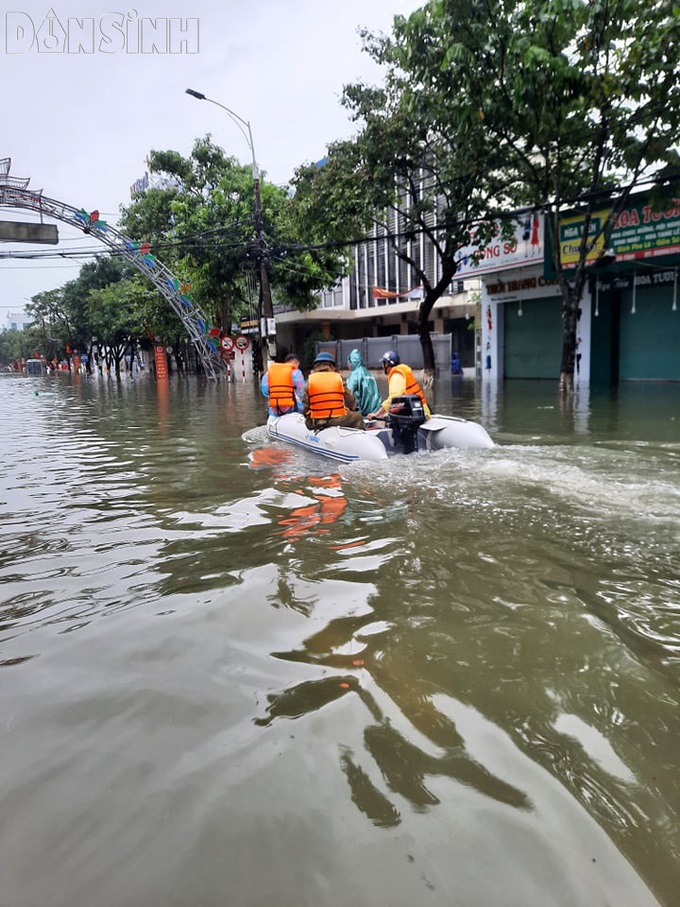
(15, 194)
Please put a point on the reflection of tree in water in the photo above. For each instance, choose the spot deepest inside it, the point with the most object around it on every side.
(366, 796)
(404, 766)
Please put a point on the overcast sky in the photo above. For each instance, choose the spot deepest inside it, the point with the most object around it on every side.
(81, 124)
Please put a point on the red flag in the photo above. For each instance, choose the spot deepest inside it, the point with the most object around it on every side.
(380, 293)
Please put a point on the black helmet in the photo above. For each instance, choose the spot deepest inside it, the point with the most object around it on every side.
(391, 358)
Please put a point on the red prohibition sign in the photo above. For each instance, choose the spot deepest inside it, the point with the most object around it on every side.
(227, 343)
(242, 342)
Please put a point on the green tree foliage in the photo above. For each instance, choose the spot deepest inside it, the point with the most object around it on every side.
(108, 300)
(13, 347)
(202, 227)
(205, 230)
(492, 105)
(581, 98)
(50, 323)
(408, 174)
(119, 314)
(61, 317)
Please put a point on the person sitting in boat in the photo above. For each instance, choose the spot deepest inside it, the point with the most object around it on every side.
(362, 384)
(283, 384)
(327, 400)
(400, 381)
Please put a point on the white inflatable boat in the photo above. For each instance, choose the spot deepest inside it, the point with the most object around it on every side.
(404, 434)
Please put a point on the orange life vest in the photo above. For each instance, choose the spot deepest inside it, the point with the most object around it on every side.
(412, 386)
(281, 389)
(326, 395)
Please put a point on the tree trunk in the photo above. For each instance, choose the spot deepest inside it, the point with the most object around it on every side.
(571, 296)
(426, 306)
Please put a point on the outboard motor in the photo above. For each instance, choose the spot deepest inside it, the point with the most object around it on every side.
(405, 418)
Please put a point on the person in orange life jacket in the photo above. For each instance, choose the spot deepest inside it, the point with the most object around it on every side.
(400, 381)
(283, 384)
(327, 400)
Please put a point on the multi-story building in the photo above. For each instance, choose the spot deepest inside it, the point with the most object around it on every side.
(503, 308)
(380, 297)
(628, 321)
(14, 320)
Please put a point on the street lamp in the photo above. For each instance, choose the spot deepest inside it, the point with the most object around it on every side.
(265, 306)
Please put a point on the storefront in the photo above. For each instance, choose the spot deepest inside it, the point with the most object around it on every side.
(636, 328)
(520, 308)
(629, 321)
(635, 317)
(522, 327)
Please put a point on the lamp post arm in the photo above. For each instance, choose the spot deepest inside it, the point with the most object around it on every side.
(265, 306)
(248, 135)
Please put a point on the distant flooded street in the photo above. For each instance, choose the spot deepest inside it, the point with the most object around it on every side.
(232, 673)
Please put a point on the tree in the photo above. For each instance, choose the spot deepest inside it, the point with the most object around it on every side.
(408, 173)
(109, 300)
(205, 226)
(581, 98)
(118, 315)
(12, 347)
(74, 309)
(50, 322)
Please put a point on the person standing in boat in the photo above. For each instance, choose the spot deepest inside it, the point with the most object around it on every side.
(400, 381)
(327, 400)
(283, 385)
(362, 384)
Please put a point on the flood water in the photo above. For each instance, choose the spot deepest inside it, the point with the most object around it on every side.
(234, 674)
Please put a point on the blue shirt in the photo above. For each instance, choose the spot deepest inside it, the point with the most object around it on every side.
(298, 384)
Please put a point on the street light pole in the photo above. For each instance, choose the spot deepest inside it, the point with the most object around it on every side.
(265, 305)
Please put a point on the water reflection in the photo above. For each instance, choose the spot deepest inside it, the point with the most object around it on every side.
(644, 411)
(327, 504)
(403, 763)
(512, 627)
(456, 672)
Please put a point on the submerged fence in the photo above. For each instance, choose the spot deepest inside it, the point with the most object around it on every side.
(407, 345)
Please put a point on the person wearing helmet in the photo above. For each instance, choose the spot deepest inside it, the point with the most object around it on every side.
(400, 381)
(362, 384)
(283, 384)
(327, 400)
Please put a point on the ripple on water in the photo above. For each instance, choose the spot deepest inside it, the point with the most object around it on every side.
(415, 663)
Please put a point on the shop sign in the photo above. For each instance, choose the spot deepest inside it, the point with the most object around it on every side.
(640, 231)
(520, 285)
(525, 247)
(645, 279)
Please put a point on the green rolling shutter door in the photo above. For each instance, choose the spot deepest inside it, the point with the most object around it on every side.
(533, 340)
(650, 337)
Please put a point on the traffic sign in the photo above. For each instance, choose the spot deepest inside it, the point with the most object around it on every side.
(227, 343)
(242, 342)
(228, 355)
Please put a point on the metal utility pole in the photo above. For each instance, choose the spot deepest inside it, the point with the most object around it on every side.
(265, 306)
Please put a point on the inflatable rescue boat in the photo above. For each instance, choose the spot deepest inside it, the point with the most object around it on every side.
(404, 431)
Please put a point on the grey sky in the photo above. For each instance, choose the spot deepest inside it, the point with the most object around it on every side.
(81, 125)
